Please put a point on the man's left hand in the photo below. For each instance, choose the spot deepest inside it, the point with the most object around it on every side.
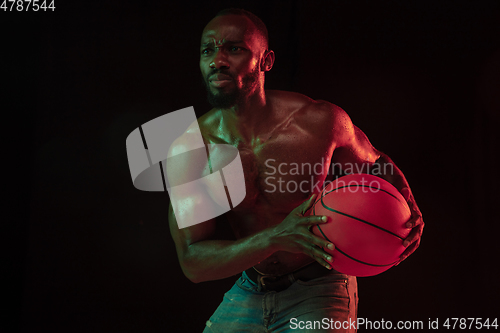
(415, 222)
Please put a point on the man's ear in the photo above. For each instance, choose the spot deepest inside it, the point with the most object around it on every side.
(267, 61)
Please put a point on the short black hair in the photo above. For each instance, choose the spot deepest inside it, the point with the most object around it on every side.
(261, 27)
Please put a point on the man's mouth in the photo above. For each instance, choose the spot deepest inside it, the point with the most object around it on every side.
(220, 80)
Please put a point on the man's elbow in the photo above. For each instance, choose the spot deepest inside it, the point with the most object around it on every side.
(192, 276)
(191, 270)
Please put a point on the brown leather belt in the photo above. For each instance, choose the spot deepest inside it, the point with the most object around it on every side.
(280, 283)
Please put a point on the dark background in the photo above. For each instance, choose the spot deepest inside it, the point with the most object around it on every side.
(87, 252)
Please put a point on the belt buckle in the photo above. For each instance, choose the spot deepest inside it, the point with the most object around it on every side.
(262, 283)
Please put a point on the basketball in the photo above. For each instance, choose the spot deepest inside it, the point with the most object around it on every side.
(367, 217)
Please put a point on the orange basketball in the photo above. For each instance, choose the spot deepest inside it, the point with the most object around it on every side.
(367, 217)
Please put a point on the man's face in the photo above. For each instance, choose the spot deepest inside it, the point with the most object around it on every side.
(230, 56)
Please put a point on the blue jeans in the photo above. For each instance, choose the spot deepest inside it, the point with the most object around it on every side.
(325, 304)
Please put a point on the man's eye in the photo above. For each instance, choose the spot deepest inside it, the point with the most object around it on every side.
(206, 51)
(235, 49)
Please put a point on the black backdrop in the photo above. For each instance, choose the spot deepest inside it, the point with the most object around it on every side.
(87, 252)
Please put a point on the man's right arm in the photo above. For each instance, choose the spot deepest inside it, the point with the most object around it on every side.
(204, 258)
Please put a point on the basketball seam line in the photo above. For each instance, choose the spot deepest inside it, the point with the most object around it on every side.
(348, 256)
(372, 187)
(361, 220)
(362, 262)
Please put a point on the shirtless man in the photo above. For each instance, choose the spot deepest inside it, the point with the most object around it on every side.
(287, 279)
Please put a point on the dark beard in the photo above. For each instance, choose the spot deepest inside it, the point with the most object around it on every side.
(227, 100)
(222, 100)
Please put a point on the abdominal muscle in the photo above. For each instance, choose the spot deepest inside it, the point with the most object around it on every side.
(281, 263)
(247, 223)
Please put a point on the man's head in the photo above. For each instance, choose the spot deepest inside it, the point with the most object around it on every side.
(259, 25)
(234, 56)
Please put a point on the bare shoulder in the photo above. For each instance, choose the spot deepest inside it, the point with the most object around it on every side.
(190, 139)
(187, 159)
(334, 116)
(317, 113)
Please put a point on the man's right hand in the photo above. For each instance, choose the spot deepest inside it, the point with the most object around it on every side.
(293, 234)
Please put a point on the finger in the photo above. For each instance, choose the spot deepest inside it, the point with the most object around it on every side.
(414, 235)
(414, 221)
(405, 192)
(416, 216)
(409, 250)
(322, 262)
(314, 219)
(323, 258)
(321, 242)
(304, 207)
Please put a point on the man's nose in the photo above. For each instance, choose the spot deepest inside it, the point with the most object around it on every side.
(220, 60)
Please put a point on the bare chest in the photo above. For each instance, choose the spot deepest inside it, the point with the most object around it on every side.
(281, 172)
(283, 164)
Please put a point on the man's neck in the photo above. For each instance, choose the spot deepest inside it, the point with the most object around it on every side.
(249, 109)
(246, 116)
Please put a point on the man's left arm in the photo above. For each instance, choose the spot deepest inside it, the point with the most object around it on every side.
(398, 180)
(352, 148)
